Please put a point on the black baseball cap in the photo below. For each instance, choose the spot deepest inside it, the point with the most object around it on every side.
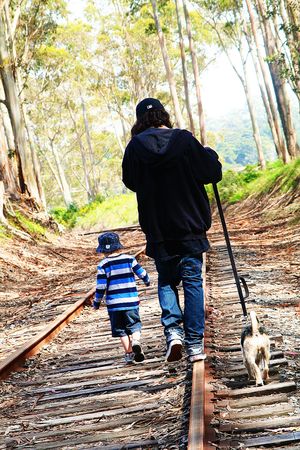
(148, 104)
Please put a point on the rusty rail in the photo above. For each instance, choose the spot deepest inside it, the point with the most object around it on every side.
(33, 346)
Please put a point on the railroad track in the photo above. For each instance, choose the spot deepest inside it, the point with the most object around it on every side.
(77, 393)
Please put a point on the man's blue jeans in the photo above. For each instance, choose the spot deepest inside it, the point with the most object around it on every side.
(188, 270)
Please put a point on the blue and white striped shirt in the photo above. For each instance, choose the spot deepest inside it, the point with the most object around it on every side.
(115, 276)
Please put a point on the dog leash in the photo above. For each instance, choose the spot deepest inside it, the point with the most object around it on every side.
(238, 279)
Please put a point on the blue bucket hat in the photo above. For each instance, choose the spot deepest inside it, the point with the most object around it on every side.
(108, 242)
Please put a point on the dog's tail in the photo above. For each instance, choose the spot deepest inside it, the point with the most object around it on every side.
(254, 323)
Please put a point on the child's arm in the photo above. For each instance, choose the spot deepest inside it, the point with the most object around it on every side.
(140, 272)
(100, 286)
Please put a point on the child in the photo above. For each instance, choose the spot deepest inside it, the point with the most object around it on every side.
(115, 275)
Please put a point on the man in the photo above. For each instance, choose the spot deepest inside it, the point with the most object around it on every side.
(167, 168)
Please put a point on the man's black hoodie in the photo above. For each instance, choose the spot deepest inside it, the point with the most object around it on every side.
(167, 169)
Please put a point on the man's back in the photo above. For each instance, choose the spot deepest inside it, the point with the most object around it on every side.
(167, 168)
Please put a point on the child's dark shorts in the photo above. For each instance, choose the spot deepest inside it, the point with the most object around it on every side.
(124, 323)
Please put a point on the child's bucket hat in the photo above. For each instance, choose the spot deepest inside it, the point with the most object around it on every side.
(108, 242)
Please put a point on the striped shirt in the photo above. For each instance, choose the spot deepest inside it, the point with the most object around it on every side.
(115, 277)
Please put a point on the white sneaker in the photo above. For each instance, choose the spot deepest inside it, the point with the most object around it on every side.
(174, 351)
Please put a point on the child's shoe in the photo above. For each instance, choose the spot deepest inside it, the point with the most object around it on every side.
(129, 358)
(137, 351)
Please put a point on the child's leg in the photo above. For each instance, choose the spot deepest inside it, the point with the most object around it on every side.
(126, 342)
(136, 335)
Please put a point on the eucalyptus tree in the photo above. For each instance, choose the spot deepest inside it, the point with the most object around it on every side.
(196, 74)
(24, 25)
(266, 88)
(226, 20)
(184, 69)
(276, 64)
(168, 68)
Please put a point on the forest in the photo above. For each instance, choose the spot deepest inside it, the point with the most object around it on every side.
(69, 88)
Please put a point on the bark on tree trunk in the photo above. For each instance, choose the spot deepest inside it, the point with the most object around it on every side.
(19, 85)
(64, 185)
(169, 72)
(83, 158)
(196, 75)
(2, 192)
(275, 117)
(250, 103)
(283, 101)
(25, 165)
(290, 14)
(6, 167)
(184, 70)
(90, 147)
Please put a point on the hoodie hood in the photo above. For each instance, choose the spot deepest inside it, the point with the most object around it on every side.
(154, 145)
(156, 140)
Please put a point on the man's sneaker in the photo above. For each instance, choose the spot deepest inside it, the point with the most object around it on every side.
(174, 351)
(197, 357)
(129, 358)
(138, 354)
(196, 353)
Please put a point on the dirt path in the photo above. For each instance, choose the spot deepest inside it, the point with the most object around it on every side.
(39, 281)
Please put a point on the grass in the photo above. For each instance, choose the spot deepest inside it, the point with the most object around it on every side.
(121, 210)
(113, 212)
(29, 226)
(4, 234)
(237, 186)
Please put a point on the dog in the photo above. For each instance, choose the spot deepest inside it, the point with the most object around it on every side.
(256, 350)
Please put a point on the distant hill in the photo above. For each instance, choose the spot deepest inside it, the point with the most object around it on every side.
(234, 139)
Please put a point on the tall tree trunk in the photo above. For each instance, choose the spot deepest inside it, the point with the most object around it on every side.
(83, 157)
(283, 101)
(290, 15)
(64, 185)
(90, 147)
(184, 70)
(26, 174)
(245, 83)
(7, 174)
(2, 193)
(250, 103)
(278, 138)
(169, 71)
(196, 75)
(36, 163)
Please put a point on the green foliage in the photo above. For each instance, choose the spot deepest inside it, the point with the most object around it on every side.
(65, 216)
(112, 212)
(236, 186)
(29, 226)
(4, 234)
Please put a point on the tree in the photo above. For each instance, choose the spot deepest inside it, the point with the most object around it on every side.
(196, 75)
(283, 102)
(184, 69)
(267, 94)
(169, 72)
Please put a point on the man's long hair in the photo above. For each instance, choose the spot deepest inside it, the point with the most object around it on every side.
(156, 119)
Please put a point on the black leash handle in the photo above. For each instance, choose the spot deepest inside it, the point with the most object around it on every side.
(237, 278)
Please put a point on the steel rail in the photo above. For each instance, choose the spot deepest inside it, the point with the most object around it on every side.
(200, 407)
(16, 360)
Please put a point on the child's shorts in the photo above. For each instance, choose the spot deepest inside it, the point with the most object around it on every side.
(124, 323)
